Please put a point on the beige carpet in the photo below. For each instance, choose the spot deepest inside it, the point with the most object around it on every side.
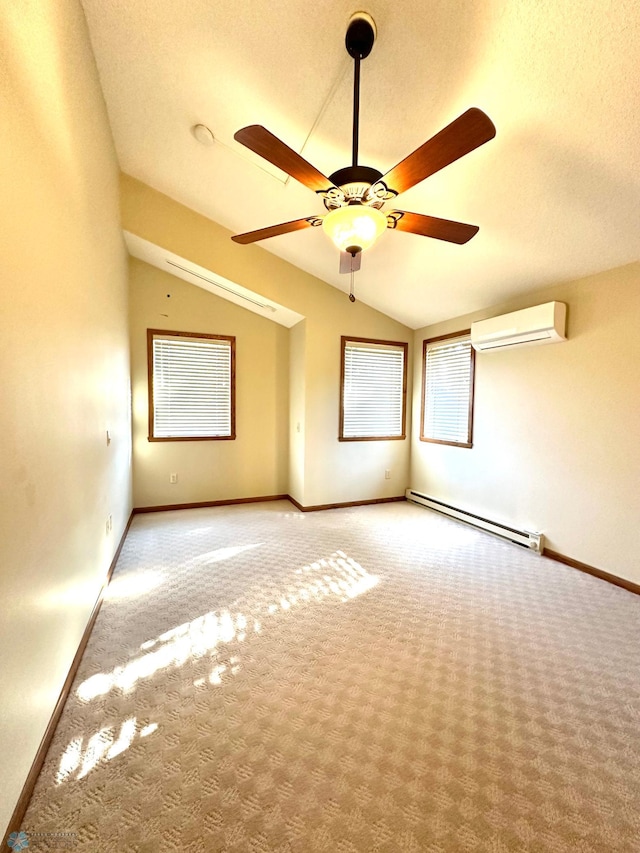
(370, 679)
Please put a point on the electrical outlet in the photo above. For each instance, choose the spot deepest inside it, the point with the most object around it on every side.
(173, 478)
(387, 474)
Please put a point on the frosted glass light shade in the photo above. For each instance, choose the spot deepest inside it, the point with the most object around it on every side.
(355, 227)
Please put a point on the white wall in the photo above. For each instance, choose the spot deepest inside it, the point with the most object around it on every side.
(556, 428)
(64, 361)
(254, 464)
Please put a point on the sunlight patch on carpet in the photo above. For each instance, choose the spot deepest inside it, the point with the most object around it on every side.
(337, 575)
(131, 585)
(222, 554)
(103, 746)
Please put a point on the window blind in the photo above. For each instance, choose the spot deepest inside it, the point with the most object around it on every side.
(373, 390)
(192, 387)
(448, 379)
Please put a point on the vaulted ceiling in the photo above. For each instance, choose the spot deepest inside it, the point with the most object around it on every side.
(556, 194)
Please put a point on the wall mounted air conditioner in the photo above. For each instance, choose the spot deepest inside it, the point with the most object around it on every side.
(541, 324)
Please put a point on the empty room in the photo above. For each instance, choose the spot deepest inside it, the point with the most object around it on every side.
(320, 516)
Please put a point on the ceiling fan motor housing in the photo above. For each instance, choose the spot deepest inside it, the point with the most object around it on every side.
(355, 181)
(355, 175)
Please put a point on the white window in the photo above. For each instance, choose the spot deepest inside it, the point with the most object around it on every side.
(373, 390)
(448, 365)
(191, 386)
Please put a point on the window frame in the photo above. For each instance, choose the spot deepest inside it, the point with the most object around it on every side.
(472, 370)
(168, 333)
(404, 346)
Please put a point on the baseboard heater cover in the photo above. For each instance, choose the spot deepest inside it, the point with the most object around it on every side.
(526, 538)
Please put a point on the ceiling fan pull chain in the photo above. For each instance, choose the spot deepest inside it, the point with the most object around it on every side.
(352, 297)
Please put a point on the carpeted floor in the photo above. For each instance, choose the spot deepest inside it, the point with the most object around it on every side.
(368, 679)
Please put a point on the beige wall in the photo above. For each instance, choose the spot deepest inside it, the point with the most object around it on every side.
(323, 470)
(253, 465)
(335, 471)
(64, 361)
(556, 428)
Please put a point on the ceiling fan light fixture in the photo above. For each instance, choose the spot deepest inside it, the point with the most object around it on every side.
(355, 227)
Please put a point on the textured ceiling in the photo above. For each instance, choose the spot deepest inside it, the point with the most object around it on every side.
(556, 194)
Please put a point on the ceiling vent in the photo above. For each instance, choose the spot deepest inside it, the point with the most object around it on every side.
(541, 324)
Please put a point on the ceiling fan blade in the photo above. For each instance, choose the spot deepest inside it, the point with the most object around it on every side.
(263, 142)
(274, 230)
(431, 226)
(469, 131)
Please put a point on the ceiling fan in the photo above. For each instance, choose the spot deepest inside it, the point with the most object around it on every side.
(355, 195)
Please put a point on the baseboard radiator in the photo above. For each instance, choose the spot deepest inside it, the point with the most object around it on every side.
(525, 538)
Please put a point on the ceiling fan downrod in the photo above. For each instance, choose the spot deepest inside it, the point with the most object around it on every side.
(361, 34)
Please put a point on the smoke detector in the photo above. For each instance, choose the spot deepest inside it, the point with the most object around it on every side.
(203, 134)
